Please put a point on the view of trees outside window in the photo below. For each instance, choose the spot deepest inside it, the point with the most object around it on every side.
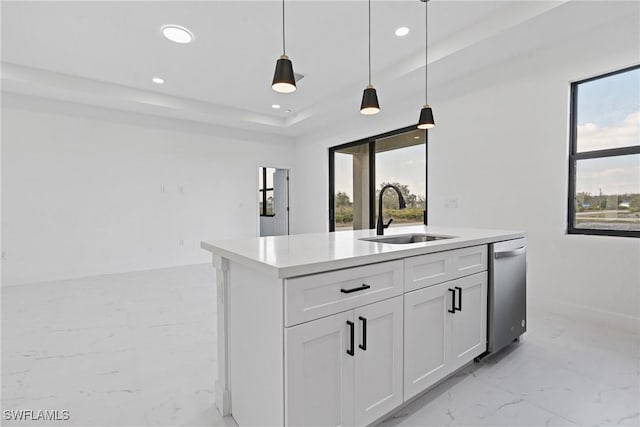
(412, 214)
(399, 160)
(405, 168)
(607, 187)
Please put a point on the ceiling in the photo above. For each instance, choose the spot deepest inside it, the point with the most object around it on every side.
(105, 53)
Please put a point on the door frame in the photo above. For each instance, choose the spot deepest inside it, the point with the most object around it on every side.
(260, 164)
(371, 140)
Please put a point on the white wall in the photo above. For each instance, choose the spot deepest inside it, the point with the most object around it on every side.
(501, 149)
(82, 196)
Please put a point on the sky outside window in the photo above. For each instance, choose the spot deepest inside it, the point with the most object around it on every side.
(608, 116)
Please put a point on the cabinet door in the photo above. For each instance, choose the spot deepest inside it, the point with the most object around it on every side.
(469, 323)
(378, 361)
(319, 372)
(426, 346)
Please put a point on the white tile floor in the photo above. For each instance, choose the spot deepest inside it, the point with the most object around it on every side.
(139, 349)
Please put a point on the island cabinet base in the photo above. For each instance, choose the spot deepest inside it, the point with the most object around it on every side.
(349, 346)
(333, 379)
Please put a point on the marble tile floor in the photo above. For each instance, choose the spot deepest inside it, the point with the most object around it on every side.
(139, 349)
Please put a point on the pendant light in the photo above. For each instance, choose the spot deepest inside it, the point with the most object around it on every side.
(284, 81)
(426, 114)
(369, 103)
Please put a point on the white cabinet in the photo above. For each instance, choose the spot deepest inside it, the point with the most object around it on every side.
(428, 270)
(317, 295)
(319, 372)
(471, 260)
(378, 359)
(426, 346)
(345, 369)
(469, 322)
(358, 342)
(445, 327)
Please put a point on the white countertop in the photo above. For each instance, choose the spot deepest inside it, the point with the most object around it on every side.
(302, 254)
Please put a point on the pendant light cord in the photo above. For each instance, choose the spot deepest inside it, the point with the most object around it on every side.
(426, 48)
(284, 52)
(369, 42)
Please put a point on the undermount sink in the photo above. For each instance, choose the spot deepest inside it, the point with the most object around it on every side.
(404, 239)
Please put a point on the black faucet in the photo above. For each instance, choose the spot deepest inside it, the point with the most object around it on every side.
(380, 226)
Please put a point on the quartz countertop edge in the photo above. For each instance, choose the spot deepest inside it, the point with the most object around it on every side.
(303, 254)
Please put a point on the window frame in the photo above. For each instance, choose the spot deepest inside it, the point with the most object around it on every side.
(371, 142)
(263, 190)
(574, 156)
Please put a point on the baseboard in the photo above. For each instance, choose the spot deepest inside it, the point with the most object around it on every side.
(66, 278)
(606, 318)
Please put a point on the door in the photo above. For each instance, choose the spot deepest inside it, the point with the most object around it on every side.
(426, 346)
(469, 323)
(319, 372)
(378, 359)
(273, 201)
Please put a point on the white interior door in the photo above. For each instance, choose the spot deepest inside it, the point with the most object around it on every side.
(319, 372)
(281, 202)
(469, 323)
(426, 338)
(378, 361)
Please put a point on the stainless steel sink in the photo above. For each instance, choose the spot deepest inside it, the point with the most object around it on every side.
(404, 239)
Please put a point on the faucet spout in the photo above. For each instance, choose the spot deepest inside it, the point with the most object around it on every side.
(380, 225)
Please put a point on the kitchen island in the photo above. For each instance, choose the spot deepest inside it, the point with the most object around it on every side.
(337, 329)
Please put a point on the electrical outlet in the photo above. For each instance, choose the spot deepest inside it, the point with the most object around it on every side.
(163, 189)
(3, 255)
(181, 242)
(180, 189)
(451, 203)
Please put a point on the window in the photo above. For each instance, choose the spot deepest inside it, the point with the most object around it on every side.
(358, 170)
(265, 191)
(604, 158)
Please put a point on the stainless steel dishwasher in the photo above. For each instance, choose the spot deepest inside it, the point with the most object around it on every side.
(507, 293)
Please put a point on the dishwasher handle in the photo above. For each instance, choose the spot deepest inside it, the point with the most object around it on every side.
(506, 254)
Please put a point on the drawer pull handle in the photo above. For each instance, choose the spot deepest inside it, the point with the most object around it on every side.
(363, 346)
(359, 288)
(351, 351)
(453, 301)
(459, 307)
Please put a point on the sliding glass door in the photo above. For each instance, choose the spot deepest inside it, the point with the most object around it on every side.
(358, 170)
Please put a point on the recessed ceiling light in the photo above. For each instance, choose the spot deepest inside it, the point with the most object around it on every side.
(177, 34)
(157, 80)
(416, 137)
(402, 31)
(275, 106)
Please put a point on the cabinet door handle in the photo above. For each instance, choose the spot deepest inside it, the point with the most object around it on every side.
(351, 351)
(459, 307)
(359, 288)
(364, 333)
(453, 301)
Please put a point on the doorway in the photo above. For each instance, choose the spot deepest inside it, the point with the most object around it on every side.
(273, 201)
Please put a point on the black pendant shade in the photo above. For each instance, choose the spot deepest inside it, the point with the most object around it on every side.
(284, 80)
(426, 118)
(426, 114)
(370, 103)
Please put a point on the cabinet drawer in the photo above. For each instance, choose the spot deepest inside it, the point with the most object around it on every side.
(428, 270)
(431, 269)
(467, 261)
(318, 295)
